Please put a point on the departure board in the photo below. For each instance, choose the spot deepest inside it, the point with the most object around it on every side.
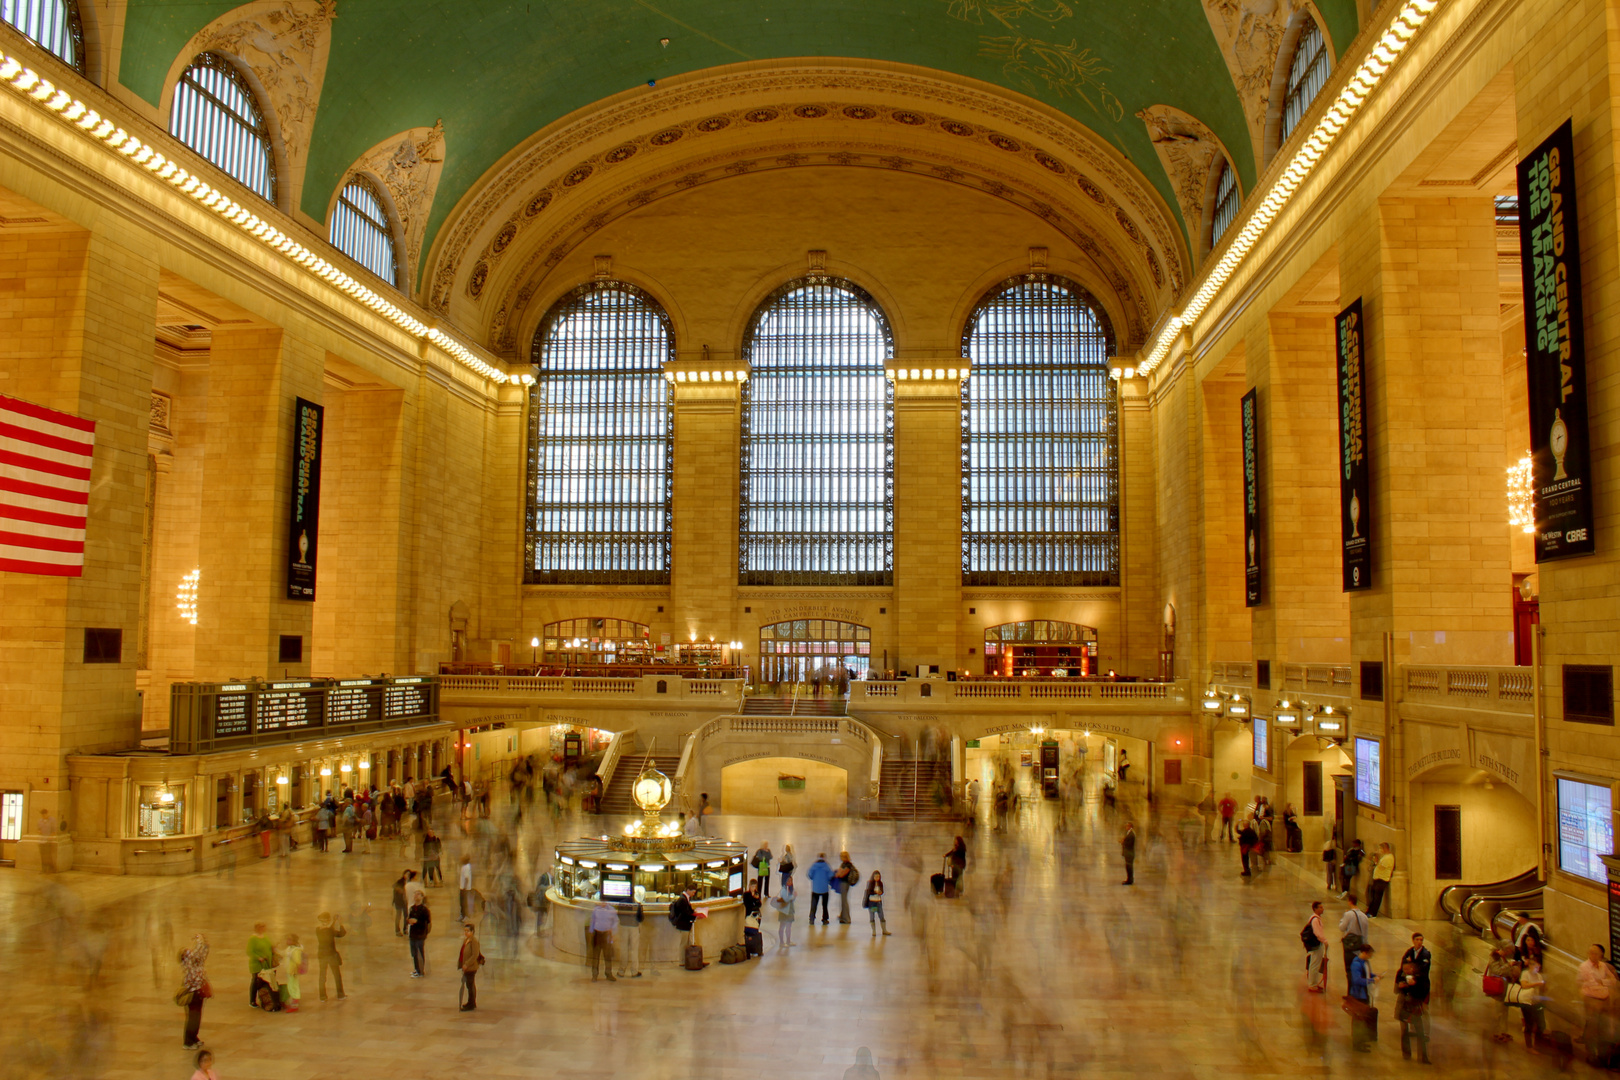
(400, 701)
(231, 715)
(353, 704)
(282, 710)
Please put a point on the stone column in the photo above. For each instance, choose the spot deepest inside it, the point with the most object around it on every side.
(1142, 629)
(254, 375)
(703, 570)
(928, 519)
(77, 313)
(1426, 270)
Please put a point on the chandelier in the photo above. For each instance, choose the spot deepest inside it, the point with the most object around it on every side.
(186, 597)
(1521, 496)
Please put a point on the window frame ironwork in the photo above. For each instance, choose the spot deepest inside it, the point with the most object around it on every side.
(1305, 80)
(353, 223)
(748, 539)
(1109, 537)
(661, 541)
(1227, 201)
(223, 152)
(71, 30)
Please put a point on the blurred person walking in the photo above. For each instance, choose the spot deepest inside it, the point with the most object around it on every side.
(820, 880)
(432, 849)
(327, 931)
(1247, 840)
(956, 863)
(1228, 807)
(1363, 1014)
(628, 947)
(194, 989)
(1127, 848)
(400, 904)
(465, 883)
(1598, 985)
(1330, 861)
(292, 958)
(874, 903)
(845, 879)
(786, 867)
(1350, 867)
(1383, 870)
(469, 961)
(604, 921)
(1315, 939)
(786, 912)
(261, 955)
(418, 924)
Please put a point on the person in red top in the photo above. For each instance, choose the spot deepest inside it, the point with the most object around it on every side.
(1228, 808)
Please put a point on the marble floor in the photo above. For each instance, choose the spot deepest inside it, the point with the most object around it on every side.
(1047, 966)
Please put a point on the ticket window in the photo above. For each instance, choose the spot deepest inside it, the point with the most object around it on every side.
(162, 811)
(250, 797)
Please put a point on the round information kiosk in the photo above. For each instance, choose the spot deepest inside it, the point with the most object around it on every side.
(648, 866)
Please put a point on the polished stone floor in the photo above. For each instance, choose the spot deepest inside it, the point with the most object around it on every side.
(1047, 966)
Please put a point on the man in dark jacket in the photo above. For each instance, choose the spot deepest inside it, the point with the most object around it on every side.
(684, 915)
(1127, 847)
(1248, 840)
(418, 922)
(326, 934)
(472, 955)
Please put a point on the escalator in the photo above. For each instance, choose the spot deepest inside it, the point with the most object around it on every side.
(1480, 907)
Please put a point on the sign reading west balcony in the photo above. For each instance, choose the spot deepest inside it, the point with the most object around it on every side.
(1253, 583)
(1355, 490)
(303, 529)
(1555, 350)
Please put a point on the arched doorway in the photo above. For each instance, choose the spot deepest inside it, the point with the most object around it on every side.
(1040, 647)
(784, 787)
(803, 649)
(1467, 827)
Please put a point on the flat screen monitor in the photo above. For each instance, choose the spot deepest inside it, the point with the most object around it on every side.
(735, 884)
(618, 888)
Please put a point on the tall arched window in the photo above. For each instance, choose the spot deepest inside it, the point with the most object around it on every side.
(1227, 201)
(817, 439)
(52, 24)
(1040, 434)
(600, 465)
(1307, 74)
(215, 114)
(360, 229)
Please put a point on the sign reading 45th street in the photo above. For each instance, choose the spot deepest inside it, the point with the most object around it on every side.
(1555, 350)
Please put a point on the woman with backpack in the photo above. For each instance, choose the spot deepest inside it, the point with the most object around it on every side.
(787, 865)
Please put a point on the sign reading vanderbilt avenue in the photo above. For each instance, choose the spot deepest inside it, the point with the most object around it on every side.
(1355, 492)
(1253, 583)
(1555, 350)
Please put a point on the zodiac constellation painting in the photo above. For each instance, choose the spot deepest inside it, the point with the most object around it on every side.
(1007, 12)
(1064, 70)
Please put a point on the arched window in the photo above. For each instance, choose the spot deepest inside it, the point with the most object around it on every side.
(817, 439)
(1040, 433)
(52, 24)
(1227, 201)
(360, 229)
(214, 113)
(1307, 74)
(600, 415)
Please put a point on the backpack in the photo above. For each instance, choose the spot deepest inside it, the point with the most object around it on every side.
(1308, 937)
(853, 879)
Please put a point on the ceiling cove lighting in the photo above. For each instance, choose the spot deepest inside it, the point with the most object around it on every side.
(1362, 83)
(70, 110)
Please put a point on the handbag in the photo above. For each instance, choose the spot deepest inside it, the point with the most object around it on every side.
(1494, 986)
(184, 997)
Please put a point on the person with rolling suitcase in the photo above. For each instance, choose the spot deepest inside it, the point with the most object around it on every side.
(955, 867)
(1358, 1003)
(683, 916)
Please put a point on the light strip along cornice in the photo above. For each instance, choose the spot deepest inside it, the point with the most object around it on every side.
(1366, 79)
(74, 113)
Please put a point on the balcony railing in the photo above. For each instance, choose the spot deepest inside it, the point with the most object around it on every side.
(1505, 689)
(719, 691)
(931, 692)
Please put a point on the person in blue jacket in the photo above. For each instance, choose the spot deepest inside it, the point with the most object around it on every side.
(1363, 1019)
(820, 881)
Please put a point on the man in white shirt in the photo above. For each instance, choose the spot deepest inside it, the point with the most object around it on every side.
(1316, 958)
(604, 921)
(1353, 930)
(465, 884)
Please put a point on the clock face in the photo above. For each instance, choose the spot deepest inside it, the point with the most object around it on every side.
(652, 790)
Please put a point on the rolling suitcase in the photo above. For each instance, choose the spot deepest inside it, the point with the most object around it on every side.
(938, 882)
(694, 958)
(753, 942)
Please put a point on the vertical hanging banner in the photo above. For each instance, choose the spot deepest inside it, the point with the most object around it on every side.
(1253, 582)
(1355, 490)
(1555, 350)
(303, 529)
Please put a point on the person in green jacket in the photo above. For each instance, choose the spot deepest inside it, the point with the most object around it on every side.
(260, 956)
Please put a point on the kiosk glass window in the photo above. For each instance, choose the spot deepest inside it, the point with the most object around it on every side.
(1040, 439)
(601, 465)
(1369, 772)
(817, 440)
(162, 811)
(1585, 828)
(11, 815)
(1262, 744)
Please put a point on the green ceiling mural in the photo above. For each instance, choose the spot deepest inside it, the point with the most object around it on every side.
(497, 72)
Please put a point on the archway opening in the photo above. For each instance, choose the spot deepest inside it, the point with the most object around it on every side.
(805, 650)
(784, 787)
(1040, 647)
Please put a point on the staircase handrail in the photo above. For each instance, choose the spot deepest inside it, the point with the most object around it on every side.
(681, 769)
(610, 757)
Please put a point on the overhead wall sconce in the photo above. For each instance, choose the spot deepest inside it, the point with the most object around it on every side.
(1119, 373)
(281, 780)
(1037, 730)
(1287, 714)
(728, 375)
(1238, 709)
(947, 374)
(1212, 701)
(326, 770)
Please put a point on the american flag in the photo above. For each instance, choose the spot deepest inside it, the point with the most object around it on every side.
(44, 488)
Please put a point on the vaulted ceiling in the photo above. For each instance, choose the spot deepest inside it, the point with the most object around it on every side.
(496, 72)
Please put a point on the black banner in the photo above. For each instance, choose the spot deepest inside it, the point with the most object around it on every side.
(303, 529)
(1355, 489)
(1252, 580)
(1555, 350)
